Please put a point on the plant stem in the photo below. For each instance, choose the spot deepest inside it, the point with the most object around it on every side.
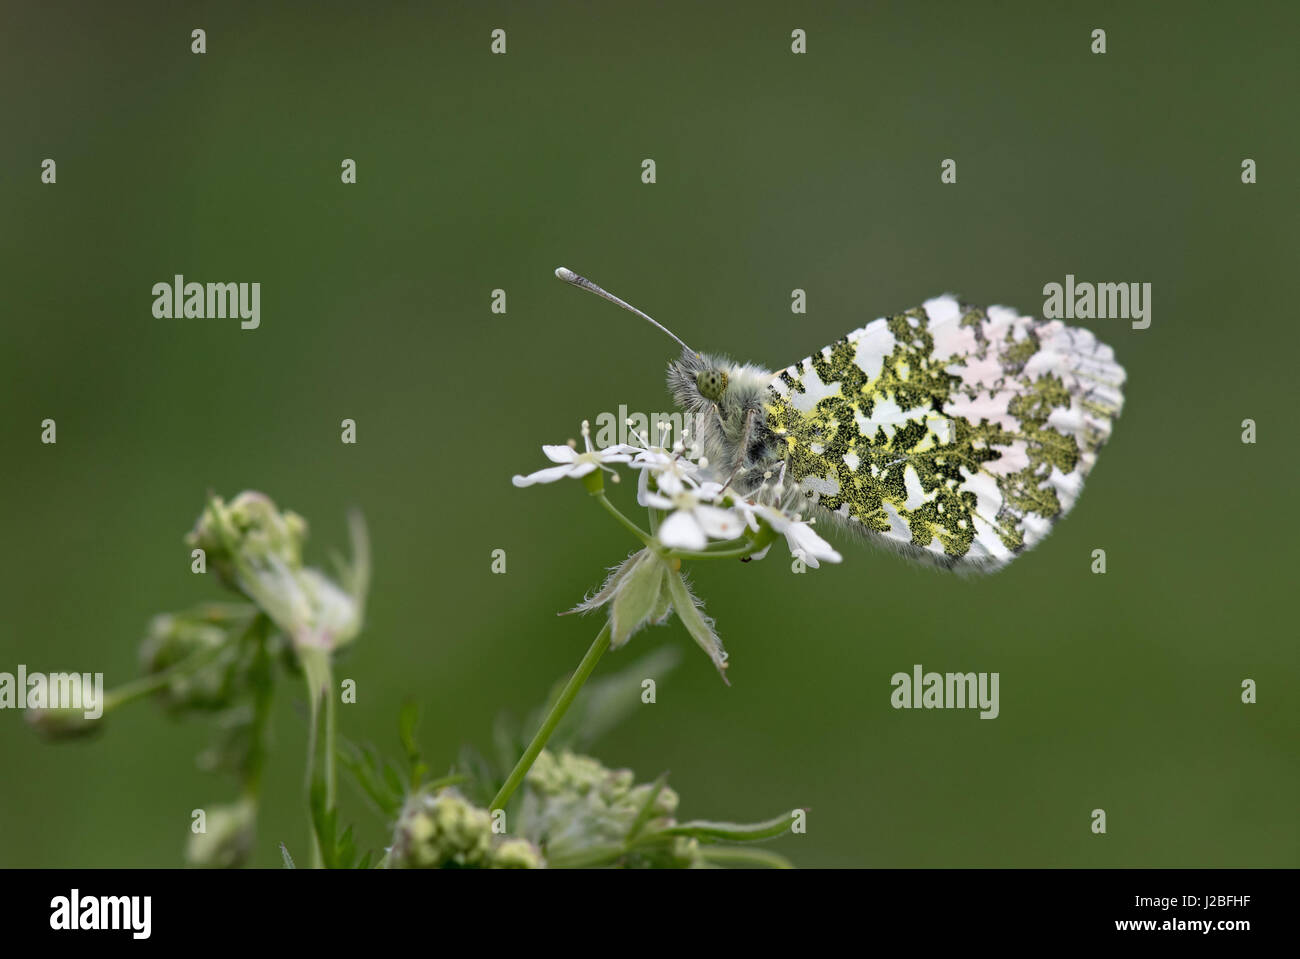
(627, 524)
(562, 704)
(744, 858)
(145, 685)
(739, 552)
(319, 674)
(262, 681)
(331, 776)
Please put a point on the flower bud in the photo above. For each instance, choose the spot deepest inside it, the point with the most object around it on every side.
(256, 549)
(573, 805)
(675, 852)
(228, 837)
(63, 723)
(441, 831)
(174, 638)
(517, 854)
(250, 528)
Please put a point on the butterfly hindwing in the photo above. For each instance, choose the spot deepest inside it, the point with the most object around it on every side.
(953, 433)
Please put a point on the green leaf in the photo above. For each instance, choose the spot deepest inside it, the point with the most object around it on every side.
(707, 831)
(646, 811)
(743, 857)
(455, 779)
(324, 822)
(482, 778)
(288, 859)
(638, 597)
(406, 722)
(608, 588)
(394, 779)
(365, 765)
(590, 857)
(697, 624)
(355, 578)
(337, 852)
(345, 850)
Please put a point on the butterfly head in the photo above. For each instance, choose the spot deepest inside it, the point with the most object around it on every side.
(712, 383)
(727, 399)
(698, 380)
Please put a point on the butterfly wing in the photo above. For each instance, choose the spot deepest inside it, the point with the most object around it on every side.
(955, 434)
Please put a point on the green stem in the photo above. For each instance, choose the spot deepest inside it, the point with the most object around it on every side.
(331, 776)
(631, 527)
(754, 543)
(739, 552)
(567, 696)
(262, 681)
(453, 780)
(319, 674)
(145, 685)
(745, 858)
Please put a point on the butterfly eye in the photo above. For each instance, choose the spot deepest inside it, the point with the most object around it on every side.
(712, 384)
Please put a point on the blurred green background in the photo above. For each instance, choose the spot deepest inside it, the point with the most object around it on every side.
(775, 171)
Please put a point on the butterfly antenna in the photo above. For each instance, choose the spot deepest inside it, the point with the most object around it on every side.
(568, 276)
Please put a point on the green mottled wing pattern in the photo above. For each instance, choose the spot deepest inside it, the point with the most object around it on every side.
(955, 434)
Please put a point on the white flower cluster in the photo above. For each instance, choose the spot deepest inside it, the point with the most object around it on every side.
(697, 507)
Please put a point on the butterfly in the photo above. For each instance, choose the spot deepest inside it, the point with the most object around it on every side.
(956, 435)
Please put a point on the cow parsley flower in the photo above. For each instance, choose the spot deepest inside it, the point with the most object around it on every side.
(671, 469)
(577, 465)
(804, 543)
(695, 517)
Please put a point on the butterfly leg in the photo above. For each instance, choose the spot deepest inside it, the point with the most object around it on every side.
(744, 445)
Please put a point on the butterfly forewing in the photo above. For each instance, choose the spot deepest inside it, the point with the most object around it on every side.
(953, 433)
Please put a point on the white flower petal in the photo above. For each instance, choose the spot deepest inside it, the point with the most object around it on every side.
(774, 518)
(808, 546)
(670, 482)
(548, 475)
(657, 501)
(709, 492)
(622, 449)
(560, 454)
(681, 531)
(718, 523)
(642, 487)
(651, 459)
(801, 555)
(747, 512)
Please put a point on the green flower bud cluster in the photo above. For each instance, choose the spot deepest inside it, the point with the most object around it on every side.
(579, 811)
(250, 529)
(256, 549)
(517, 854)
(221, 660)
(207, 636)
(443, 830)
